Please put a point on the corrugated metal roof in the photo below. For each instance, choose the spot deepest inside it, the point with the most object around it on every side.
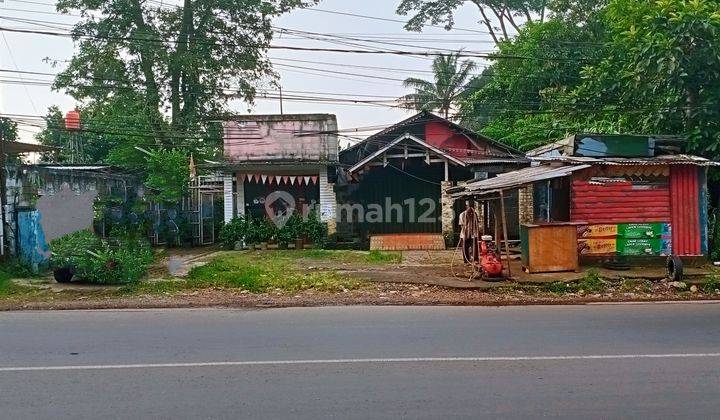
(515, 179)
(16, 147)
(657, 160)
(77, 167)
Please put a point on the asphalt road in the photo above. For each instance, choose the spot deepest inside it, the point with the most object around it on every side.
(643, 361)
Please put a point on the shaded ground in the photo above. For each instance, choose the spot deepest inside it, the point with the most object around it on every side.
(210, 277)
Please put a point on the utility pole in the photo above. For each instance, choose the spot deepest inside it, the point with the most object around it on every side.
(281, 101)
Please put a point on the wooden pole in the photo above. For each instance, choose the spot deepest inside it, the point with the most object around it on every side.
(505, 235)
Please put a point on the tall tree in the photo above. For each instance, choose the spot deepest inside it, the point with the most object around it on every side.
(501, 18)
(184, 62)
(662, 70)
(451, 76)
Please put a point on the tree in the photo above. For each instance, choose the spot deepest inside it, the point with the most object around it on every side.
(8, 129)
(518, 90)
(501, 18)
(152, 76)
(661, 73)
(184, 62)
(451, 77)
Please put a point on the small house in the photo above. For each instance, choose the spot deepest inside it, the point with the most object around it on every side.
(390, 186)
(626, 195)
(280, 160)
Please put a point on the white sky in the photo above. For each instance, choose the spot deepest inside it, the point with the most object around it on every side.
(28, 52)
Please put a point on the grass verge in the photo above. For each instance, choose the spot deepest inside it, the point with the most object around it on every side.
(265, 271)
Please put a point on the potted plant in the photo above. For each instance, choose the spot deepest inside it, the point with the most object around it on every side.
(265, 233)
(251, 232)
(297, 231)
(315, 230)
(69, 252)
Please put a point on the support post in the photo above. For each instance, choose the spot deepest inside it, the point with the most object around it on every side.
(447, 171)
(228, 197)
(3, 195)
(505, 235)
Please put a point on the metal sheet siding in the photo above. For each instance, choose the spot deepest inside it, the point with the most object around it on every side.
(685, 191)
(619, 202)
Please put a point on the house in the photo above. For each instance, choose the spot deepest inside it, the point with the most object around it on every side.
(283, 161)
(47, 201)
(391, 185)
(628, 195)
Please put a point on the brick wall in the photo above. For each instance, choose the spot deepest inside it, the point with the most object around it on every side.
(447, 213)
(525, 204)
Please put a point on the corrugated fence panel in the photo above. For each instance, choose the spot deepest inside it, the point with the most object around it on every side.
(619, 202)
(685, 193)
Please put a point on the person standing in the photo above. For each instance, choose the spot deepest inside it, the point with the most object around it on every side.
(469, 232)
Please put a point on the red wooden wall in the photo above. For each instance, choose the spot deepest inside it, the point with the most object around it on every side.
(619, 202)
(685, 193)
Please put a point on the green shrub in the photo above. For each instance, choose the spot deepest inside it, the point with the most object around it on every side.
(122, 259)
(265, 230)
(70, 250)
(234, 231)
(559, 287)
(315, 229)
(592, 282)
(711, 284)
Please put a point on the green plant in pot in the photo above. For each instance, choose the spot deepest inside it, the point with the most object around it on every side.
(69, 252)
(315, 229)
(296, 230)
(251, 232)
(265, 231)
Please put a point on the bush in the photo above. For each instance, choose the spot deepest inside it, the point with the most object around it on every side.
(293, 229)
(234, 231)
(69, 251)
(123, 259)
(315, 229)
(592, 282)
(711, 284)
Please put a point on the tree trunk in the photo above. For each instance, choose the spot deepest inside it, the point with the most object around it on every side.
(176, 63)
(152, 97)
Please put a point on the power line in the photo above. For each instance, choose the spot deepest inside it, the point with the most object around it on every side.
(427, 53)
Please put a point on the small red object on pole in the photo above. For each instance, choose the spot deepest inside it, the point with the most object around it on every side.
(72, 120)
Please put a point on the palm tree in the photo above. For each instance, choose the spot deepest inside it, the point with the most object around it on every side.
(451, 77)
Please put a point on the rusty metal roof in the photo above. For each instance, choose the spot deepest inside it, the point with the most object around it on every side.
(657, 160)
(514, 179)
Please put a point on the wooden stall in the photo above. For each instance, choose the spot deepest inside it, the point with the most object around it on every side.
(548, 248)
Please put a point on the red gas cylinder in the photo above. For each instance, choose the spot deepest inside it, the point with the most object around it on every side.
(72, 120)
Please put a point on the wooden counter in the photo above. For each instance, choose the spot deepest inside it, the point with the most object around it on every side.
(548, 248)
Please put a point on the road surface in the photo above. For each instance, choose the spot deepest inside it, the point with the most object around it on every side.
(597, 361)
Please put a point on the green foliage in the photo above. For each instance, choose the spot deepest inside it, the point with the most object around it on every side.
(126, 262)
(262, 272)
(265, 229)
(499, 17)
(70, 251)
(234, 231)
(8, 129)
(630, 67)
(559, 287)
(376, 257)
(168, 175)
(294, 228)
(122, 259)
(592, 282)
(451, 76)
(711, 284)
(315, 229)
